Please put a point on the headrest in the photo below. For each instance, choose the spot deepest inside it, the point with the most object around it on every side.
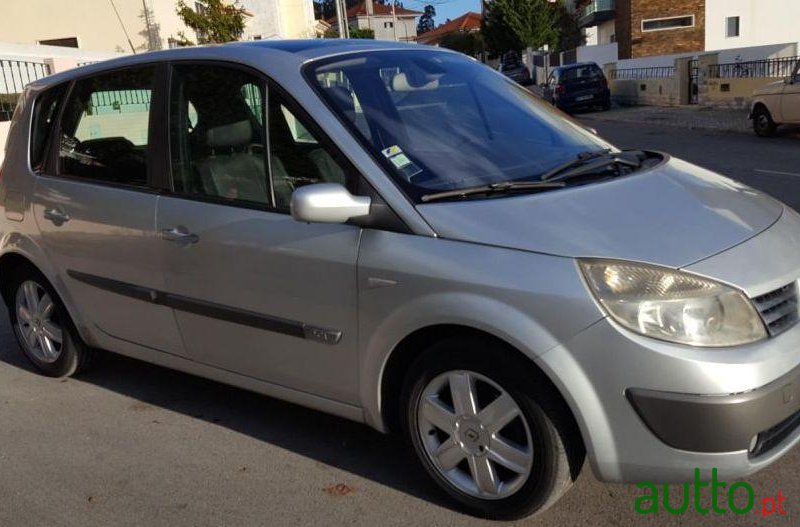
(400, 83)
(234, 134)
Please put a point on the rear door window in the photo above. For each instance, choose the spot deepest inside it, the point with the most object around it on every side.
(45, 111)
(104, 129)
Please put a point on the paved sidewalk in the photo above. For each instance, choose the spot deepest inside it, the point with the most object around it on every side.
(690, 117)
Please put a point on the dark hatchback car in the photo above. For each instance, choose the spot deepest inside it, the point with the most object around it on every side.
(578, 86)
(516, 71)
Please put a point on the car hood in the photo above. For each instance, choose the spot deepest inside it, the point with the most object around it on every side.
(771, 88)
(673, 214)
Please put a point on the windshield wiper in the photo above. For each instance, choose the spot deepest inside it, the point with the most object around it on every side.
(581, 165)
(504, 186)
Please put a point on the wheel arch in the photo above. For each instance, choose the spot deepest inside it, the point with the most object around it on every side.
(417, 342)
(13, 260)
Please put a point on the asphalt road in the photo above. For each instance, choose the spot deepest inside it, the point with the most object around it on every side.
(133, 444)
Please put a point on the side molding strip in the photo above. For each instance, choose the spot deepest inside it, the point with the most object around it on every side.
(211, 310)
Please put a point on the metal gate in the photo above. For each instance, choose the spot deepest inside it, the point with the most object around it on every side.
(694, 73)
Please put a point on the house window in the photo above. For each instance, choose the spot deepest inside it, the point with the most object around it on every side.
(662, 24)
(732, 26)
(256, 37)
(388, 25)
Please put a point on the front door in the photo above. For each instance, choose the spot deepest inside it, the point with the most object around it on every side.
(255, 292)
(790, 101)
(96, 210)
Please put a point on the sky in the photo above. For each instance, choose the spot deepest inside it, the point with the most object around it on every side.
(445, 8)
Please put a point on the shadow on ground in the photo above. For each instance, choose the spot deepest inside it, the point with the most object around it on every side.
(349, 446)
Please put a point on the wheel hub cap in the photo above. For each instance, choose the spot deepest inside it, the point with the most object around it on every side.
(471, 436)
(475, 435)
(37, 327)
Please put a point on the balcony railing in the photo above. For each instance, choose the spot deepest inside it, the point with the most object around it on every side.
(596, 12)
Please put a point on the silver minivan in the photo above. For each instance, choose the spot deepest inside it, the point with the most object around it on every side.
(403, 237)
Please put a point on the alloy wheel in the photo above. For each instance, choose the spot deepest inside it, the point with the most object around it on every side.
(475, 434)
(37, 325)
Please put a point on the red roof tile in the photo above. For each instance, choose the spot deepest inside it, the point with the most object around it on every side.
(469, 21)
(378, 10)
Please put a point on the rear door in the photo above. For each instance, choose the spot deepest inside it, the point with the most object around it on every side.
(95, 207)
(255, 292)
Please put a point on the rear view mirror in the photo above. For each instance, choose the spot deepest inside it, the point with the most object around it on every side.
(327, 203)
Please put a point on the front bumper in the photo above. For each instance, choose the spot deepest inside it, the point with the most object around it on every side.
(672, 431)
(755, 421)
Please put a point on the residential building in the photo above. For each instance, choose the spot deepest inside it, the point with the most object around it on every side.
(746, 23)
(643, 28)
(387, 21)
(467, 23)
(118, 25)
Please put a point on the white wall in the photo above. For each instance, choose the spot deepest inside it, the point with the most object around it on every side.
(606, 32)
(725, 56)
(406, 27)
(602, 54)
(761, 22)
(32, 52)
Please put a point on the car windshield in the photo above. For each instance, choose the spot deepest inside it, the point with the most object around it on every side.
(441, 121)
(581, 73)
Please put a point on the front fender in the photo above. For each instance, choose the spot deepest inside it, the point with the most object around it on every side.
(531, 301)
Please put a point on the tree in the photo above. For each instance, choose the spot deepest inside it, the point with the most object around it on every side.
(497, 35)
(570, 34)
(426, 22)
(151, 31)
(517, 24)
(469, 43)
(215, 22)
(362, 33)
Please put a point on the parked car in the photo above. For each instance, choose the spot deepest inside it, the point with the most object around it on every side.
(578, 86)
(516, 71)
(439, 254)
(776, 104)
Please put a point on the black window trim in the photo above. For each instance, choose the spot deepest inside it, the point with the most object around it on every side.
(691, 16)
(54, 127)
(293, 106)
(52, 166)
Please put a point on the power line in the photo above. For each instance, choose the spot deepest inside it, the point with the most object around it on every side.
(133, 50)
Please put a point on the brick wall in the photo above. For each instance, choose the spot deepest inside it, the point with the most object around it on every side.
(634, 43)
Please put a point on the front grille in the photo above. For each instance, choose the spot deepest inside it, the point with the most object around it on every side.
(772, 437)
(778, 308)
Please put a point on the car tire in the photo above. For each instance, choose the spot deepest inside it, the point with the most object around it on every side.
(606, 106)
(43, 328)
(763, 125)
(545, 453)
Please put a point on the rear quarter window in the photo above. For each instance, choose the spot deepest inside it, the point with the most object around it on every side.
(45, 112)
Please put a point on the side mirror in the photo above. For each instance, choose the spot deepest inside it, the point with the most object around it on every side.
(327, 203)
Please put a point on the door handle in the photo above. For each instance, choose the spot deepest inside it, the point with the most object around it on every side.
(58, 217)
(180, 236)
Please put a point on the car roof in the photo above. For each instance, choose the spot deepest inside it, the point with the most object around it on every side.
(262, 52)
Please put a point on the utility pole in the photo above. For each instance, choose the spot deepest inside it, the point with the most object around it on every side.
(394, 20)
(370, 12)
(341, 18)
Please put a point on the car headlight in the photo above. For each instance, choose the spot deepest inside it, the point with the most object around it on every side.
(673, 305)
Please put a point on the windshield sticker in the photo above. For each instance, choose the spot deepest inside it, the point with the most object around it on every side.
(401, 162)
